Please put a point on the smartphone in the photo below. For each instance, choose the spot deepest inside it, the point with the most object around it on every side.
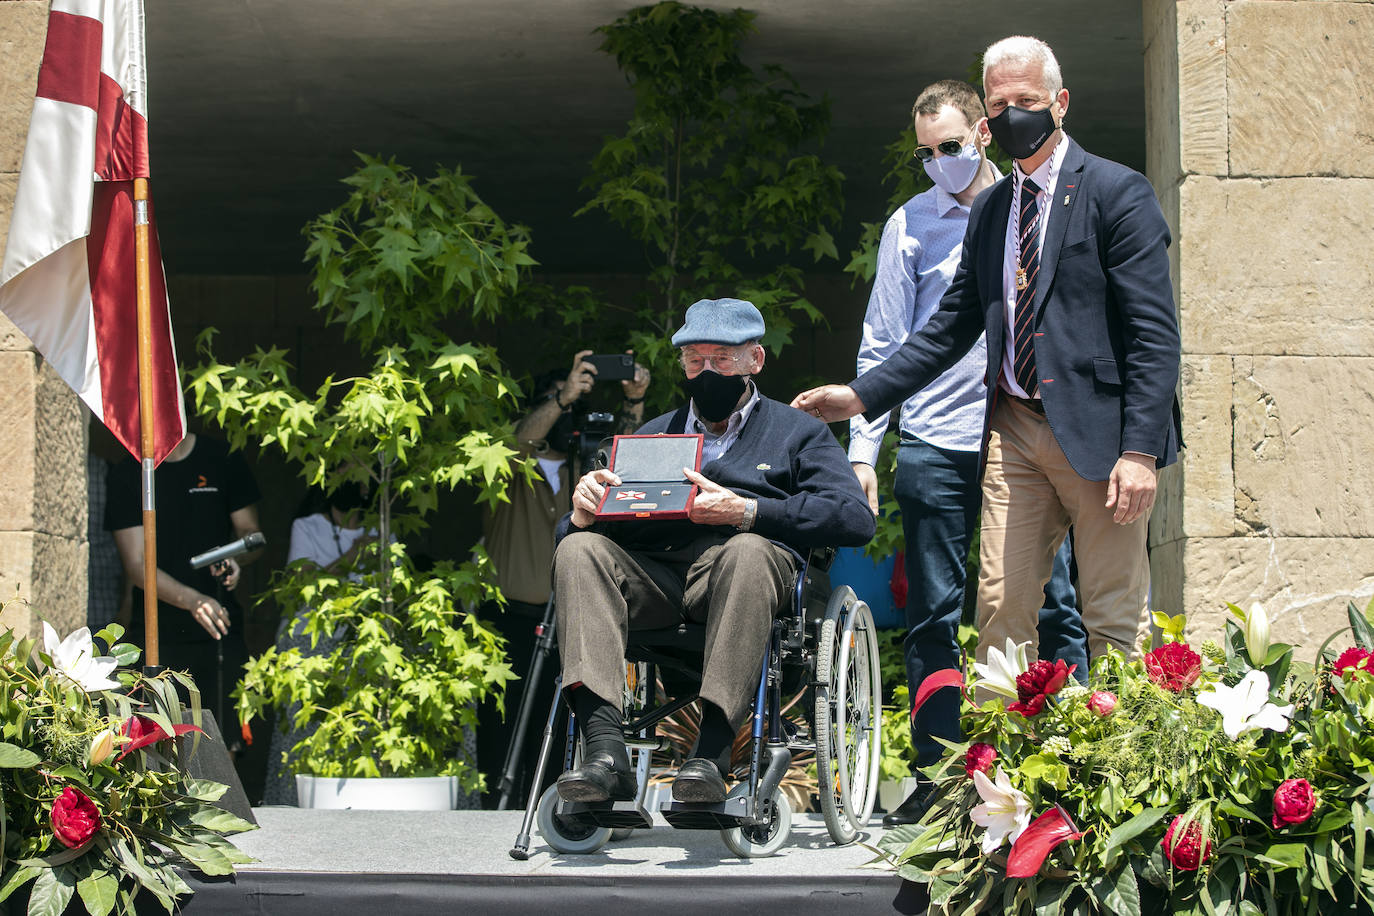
(612, 367)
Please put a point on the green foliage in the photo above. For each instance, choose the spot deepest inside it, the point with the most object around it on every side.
(1162, 757)
(716, 176)
(154, 818)
(392, 697)
(392, 687)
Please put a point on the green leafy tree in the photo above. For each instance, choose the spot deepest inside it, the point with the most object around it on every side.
(399, 666)
(716, 176)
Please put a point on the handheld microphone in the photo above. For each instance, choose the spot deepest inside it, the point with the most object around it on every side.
(233, 549)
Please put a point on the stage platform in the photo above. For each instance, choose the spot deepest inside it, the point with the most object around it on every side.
(404, 862)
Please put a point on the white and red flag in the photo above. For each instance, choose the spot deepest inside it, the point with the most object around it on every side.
(67, 278)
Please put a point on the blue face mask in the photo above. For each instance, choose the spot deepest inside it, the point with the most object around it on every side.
(955, 173)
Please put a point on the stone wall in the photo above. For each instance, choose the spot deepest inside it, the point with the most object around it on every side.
(1263, 161)
(42, 423)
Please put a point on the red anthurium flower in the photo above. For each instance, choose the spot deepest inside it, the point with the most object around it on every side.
(1353, 660)
(1036, 842)
(1293, 803)
(145, 731)
(1173, 666)
(979, 759)
(74, 818)
(1038, 683)
(937, 680)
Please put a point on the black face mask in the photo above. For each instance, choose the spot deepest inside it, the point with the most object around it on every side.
(714, 394)
(1021, 132)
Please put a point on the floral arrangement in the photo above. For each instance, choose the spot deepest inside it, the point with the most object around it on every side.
(1227, 779)
(92, 802)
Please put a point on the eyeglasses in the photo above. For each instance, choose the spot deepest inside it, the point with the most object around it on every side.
(721, 362)
(951, 147)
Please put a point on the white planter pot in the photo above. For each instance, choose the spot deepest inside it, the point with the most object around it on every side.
(891, 792)
(395, 793)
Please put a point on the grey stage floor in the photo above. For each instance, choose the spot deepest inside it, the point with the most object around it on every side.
(477, 843)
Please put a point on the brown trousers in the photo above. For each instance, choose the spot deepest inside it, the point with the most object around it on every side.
(1030, 498)
(734, 584)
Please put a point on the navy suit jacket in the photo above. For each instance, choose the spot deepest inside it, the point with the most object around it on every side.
(1107, 344)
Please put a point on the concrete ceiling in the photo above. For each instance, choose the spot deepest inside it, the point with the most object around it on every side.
(257, 105)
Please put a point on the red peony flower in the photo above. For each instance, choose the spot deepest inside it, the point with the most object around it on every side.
(74, 818)
(1353, 660)
(1102, 702)
(1173, 666)
(1293, 803)
(1188, 853)
(1038, 683)
(979, 759)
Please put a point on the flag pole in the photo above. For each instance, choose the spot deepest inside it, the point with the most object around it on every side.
(147, 415)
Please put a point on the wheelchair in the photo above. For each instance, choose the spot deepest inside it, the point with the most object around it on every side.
(824, 645)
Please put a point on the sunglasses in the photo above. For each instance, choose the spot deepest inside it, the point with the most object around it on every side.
(951, 147)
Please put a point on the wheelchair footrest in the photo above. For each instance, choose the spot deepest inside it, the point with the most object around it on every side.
(609, 814)
(731, 813)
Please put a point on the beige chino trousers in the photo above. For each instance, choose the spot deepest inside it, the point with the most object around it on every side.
(1030, 498)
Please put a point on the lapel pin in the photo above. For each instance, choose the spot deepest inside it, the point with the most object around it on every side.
(1066, 200)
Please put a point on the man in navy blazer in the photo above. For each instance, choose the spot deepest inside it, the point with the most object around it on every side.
(1065, 267)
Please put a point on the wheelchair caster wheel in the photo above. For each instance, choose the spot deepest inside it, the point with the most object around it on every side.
(752, 841)
(621, 833)
(565, 834)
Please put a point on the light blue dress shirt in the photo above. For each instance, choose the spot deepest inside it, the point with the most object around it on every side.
(917, 257)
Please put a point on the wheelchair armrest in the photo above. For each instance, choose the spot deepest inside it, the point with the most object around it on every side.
(820, 558)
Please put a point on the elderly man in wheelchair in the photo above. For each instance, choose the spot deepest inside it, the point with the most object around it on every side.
(773, 484)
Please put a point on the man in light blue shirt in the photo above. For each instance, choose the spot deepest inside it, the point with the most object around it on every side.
(942, 425)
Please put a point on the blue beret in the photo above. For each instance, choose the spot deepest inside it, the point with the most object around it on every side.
(720, 321)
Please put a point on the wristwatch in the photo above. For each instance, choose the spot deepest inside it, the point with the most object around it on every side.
(751, 510)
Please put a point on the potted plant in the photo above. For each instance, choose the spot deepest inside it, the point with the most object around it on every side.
(1229, 779)
(399, 665)
(95, 811)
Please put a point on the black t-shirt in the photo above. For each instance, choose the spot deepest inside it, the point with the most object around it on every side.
(194, 497)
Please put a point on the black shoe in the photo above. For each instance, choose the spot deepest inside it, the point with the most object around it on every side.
(914, 808)
(699, 781)
(598, 780)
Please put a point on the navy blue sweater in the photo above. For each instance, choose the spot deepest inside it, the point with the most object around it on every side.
(790, 462)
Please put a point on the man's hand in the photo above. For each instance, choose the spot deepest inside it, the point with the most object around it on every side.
(227, 572)
(586, 495)
(868, 479)
(1131, 488)
(581, 378)
(830, 403)
(211, 615)
(715, 505)
(634, 388)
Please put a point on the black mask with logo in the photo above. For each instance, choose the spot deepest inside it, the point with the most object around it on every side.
(1021, 132)
(714, 394)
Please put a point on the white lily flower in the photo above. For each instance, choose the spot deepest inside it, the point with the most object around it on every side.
(75, 658)
(1005, 812)
(1246, 707)
(1257, 634)
(1000, 673)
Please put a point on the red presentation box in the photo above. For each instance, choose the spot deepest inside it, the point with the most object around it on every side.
(651, 481)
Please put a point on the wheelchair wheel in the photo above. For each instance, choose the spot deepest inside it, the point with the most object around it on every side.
(564, 834)
(848, 710)
(753, 841)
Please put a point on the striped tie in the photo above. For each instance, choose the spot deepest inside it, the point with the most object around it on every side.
(1028, 224)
